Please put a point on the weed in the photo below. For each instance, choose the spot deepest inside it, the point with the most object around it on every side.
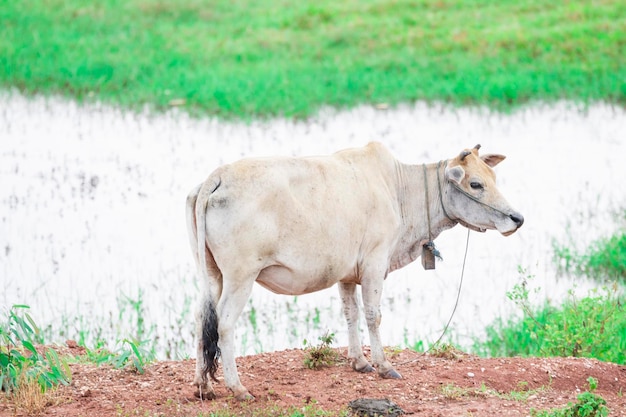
(588, 327)
(20, 362)
(26, 374)
(445, 351)
(316, 319)
(604, 258)
(392, 351)
(588, 404)
(417, 346)
(131, 355)
(137, 314)
(321, 355)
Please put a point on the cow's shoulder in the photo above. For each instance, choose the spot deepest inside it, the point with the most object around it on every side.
(374, 154)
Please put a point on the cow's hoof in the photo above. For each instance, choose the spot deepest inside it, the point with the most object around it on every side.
(244, 396)
(391, 374)
(365, 369)
(205, 394)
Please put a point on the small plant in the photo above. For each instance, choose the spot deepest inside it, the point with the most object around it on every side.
(136, 315)
(392, 351)
(321, 355)
(588, 404)
(131, 355)
(20, 362)
(445, 351)
(25, 373)
(416, 346)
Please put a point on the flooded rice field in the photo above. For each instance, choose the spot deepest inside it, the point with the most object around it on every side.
(92, 216)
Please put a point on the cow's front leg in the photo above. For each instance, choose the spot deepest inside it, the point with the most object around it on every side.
(372, 288)
(351, 312)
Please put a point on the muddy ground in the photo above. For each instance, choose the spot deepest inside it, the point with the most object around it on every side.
(455, 385)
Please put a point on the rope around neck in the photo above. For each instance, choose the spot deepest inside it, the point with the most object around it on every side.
(443, 207)
(427, 203)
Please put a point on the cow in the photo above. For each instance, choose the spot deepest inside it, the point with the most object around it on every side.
(300, 225)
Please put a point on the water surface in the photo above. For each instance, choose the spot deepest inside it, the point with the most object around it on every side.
(92, 214)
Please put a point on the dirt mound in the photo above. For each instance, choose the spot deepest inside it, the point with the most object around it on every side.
(462, 385)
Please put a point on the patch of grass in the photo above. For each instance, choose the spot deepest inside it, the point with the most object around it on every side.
(446, 351)
(454, 392)
(604, 258)
(253, 58)
(322, 355)
(20, 362)
(588, 404)
(591, 326)
(27, 375)
(392, 352)
(130, 355)
(522, 393)
(130, 321)
(309, 409)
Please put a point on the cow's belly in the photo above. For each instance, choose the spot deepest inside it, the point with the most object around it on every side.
(282, 280)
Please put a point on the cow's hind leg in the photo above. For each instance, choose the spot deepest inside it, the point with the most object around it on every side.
(235, 294)
(351, 312)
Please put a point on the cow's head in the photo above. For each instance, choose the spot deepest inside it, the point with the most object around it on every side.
(472, 197)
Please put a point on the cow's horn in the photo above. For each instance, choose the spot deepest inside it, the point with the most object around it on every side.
(464, 154)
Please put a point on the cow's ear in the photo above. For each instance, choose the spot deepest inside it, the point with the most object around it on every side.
(455, 174)
(492, 159)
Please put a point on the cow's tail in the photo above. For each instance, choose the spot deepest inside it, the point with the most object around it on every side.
(209, 320)
(210, 336)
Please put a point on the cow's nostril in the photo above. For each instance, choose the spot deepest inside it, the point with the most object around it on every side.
(517, 218)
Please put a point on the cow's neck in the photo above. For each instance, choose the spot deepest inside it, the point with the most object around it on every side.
(419, 199)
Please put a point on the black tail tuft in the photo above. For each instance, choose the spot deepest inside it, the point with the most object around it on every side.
(210, 336)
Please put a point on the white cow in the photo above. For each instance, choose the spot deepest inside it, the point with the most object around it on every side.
(299, 225)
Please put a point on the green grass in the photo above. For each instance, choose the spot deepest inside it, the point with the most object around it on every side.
(251, 58)
(587, 404)
(604, 258)
(454, 392)
(593, 326)
(21, 364)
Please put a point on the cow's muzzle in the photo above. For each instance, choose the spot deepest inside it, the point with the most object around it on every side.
(517, 218)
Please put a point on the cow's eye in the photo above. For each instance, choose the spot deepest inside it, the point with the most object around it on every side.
(476, 185)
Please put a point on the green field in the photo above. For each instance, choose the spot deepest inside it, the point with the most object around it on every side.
(266, 58)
